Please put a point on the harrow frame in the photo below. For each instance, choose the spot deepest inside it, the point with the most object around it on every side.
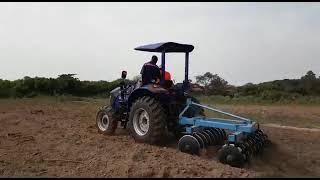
(237, 127)
(241, 137)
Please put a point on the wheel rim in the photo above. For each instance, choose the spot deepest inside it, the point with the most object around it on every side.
(141, 122)
(103, 122)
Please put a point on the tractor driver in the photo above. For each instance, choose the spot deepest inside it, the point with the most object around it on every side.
(150, 72)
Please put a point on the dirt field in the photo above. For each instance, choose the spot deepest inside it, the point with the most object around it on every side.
(59, 139)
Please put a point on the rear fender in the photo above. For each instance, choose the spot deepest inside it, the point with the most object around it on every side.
(156, 92)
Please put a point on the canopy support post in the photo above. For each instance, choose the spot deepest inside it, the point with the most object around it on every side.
(163, 65)
(186, 72)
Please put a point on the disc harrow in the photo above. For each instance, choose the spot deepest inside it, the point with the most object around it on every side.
(252, 145)
(240, 138)
(201, 139)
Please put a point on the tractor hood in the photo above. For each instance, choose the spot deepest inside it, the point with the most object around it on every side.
(166, 47)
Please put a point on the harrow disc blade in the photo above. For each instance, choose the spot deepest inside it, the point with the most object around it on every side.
(207, 137)
(254, 143)
(217, 135)
(199, 139)
(204, 138)
(231, 155)
(189, 144)
(213, 135)
(212, 138)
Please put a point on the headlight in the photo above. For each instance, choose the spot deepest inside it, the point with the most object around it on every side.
(110, 100)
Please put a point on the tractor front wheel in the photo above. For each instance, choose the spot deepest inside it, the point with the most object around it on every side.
(105, 121)
(147, 121)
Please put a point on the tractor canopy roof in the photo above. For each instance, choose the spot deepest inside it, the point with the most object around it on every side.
(166, 47)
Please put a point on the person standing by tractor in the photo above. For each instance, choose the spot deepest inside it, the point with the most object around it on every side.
(150, 72)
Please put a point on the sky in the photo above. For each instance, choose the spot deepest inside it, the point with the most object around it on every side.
(241, 42)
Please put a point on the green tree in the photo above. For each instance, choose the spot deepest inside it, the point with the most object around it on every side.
(309, 83)
(5, 88)
(205, 79)
(309, 76)
(67, 84)
(213, 84)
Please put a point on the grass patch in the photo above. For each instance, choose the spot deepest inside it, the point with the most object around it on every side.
(251, 100)
(287, 115)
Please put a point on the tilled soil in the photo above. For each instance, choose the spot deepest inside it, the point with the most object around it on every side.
(51, 139)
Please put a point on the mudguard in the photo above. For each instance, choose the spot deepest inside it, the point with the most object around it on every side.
(148, 90)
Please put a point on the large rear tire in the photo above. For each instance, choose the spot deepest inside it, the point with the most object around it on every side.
(147, 121)
(106, 122)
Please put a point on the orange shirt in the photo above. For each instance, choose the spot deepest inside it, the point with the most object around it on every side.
(167, 75)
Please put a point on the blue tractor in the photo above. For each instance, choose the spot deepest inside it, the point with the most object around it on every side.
(151, 112)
